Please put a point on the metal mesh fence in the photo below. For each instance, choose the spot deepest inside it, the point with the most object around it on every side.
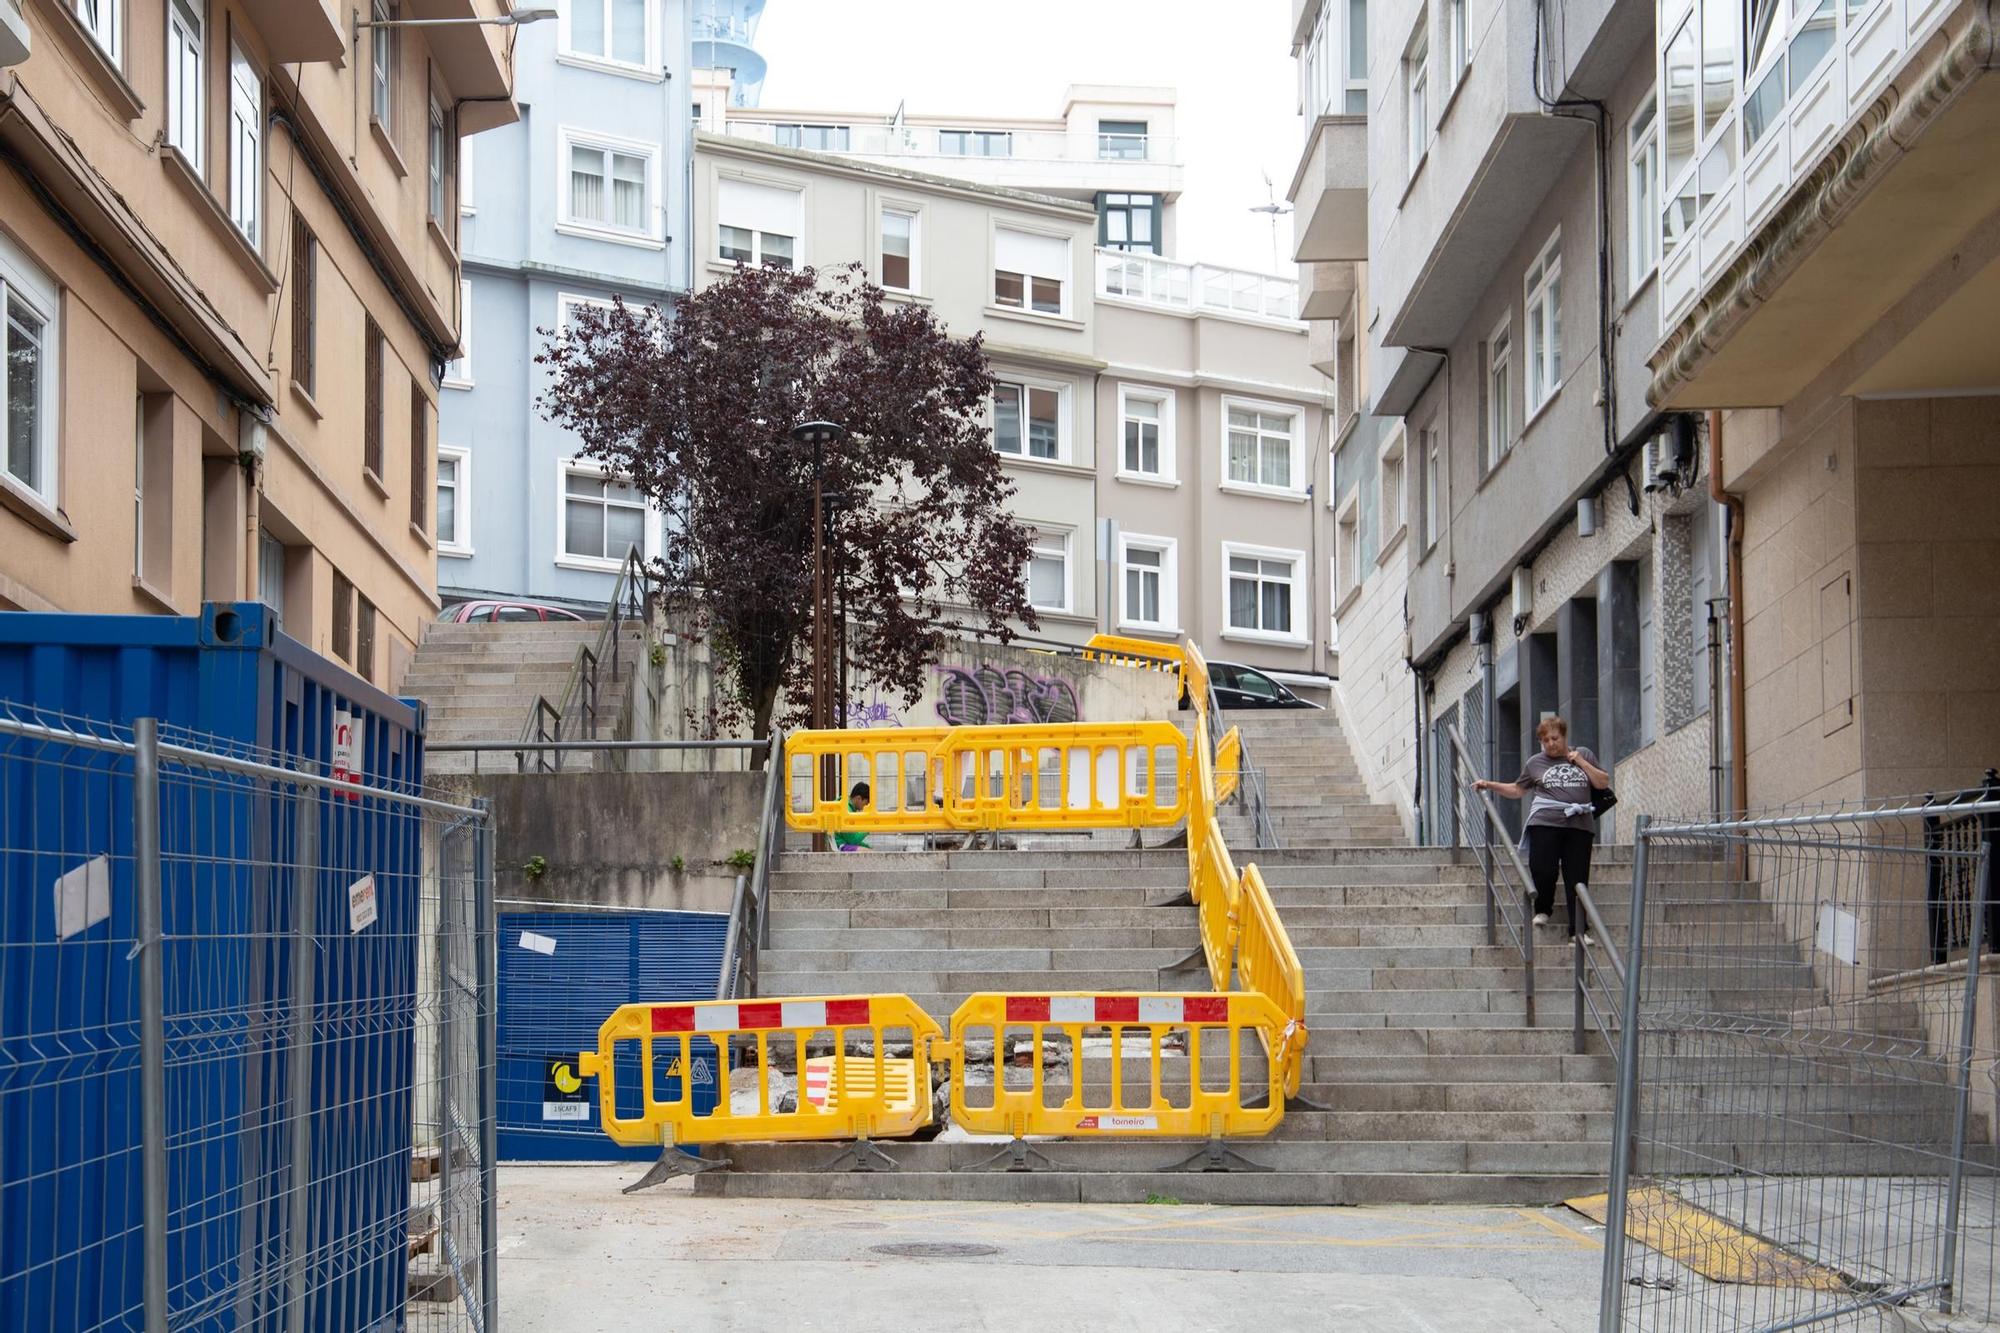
(1809, 1092)
(246, 1042)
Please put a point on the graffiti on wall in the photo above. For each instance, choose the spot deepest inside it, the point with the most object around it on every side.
(986, 695)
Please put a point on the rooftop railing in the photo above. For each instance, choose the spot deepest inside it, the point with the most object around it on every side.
(1135, 276)
(926, 141)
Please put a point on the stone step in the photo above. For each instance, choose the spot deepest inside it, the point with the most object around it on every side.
(1098, 1155)
(1112, 1185)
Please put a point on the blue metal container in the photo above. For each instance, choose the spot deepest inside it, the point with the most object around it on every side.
(233, 894)
(561, 975)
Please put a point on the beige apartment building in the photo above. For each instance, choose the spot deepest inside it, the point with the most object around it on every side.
(228, 249)
(1158, 418)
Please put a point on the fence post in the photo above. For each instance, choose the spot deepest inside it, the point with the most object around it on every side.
(1968, 1021)
(1611, 1297)
(150, 912)
(486, 942)
(305, 929)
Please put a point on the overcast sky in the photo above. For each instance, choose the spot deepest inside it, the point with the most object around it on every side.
(1231, 62)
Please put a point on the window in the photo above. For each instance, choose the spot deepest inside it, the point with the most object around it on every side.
(603, 515)
(343, 617)
(371, 401)
(616, 31)
(458, 372)
(1649, 667)
(1432, 483)
(420, 459)
(305, 304)
(1642, 192)
(1040, 407)
(187, 84)
(1030, 271)
(382, 66)
(567, 305)
(440, 160)
(816, 138)
(105, 21)
(1417, 91)
(1458, 37)
(1347, 548)
(1261, 442)
(1048, 572)
(29, 300)
(1129, 222)
(899, 249)
(1149, 584)
(609, 185)
(1499, 422)
(1679, 94)
(246, 146)
(975, 143)
(1543, 321)
(364, 638)
(1334, 72)
(454, 501)
(1261, 586)
(1390, 490)
(1121, 140)
(758, 224)
(1146, 430)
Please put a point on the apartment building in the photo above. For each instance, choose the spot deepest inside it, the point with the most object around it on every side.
(1158, 418)
(229, 249)
(583, 201)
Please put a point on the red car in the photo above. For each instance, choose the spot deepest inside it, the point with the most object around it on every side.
(506, 612)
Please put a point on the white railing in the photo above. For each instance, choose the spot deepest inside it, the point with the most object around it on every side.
(960, 146)
(1135, 276)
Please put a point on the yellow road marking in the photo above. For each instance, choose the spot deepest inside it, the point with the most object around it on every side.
(1717, 1249)
(1543, 1219)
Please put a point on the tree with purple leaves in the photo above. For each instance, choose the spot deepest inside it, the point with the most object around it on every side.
(697, 409)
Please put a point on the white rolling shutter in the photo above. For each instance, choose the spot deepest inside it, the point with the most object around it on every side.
(1037, 256)
(763, 208)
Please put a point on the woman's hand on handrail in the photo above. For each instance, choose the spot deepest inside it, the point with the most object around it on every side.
(1511, 790)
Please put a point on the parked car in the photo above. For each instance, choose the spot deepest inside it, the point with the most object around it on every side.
(481, 612)
(1239, 686)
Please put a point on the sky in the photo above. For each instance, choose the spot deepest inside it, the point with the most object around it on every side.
(1237, 119)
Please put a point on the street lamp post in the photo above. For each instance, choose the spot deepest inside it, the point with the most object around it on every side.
(820, 434)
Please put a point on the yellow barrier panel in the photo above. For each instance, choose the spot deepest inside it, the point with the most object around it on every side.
(901, 766)
(1228, 764)
(1267, 964)
(878, 1096)
(1119, 1064)
(1139, 654)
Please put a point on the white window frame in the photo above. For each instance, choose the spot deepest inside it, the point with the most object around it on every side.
(1297, 583)
(382, 67)
(1642, 193)
(458, 371)
(647, 65)
(22, 280)
(1045, 540)
(1458, 44)
(460, 545)
(1500, 415)
(885, 209)
(648, 542)
(1431, 446)
(1065, 424)
(1164, 398)
(187, 80)
(757, 236)
(1168, 549)
(1541, 288)
(1394, 517)
(246, 140)
(1297, 489)
(1417, 91)
(1347, 547)
(566, 302)
(437, 148)
(569, 138)
(1066, 284)
(104, 20)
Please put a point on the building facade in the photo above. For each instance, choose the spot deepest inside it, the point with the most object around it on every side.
(229, 249)
(584, 200)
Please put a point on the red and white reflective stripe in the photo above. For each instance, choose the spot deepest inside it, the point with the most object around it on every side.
(762, 1015)
(1117, 1009)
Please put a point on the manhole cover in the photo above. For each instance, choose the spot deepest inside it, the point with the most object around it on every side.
(935, 1249)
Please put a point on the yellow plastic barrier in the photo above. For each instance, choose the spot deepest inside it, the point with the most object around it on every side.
(889, 1100)
(1139, 654)
(1228, 764)
(1189, 1051)
(901, 766)
(1267, 964)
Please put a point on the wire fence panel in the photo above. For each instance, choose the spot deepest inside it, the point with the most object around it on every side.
(1810, 1095)
(246, 1042)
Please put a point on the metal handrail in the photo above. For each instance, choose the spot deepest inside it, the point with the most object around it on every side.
(749, 918)
(1515, 918)
(1251, 792)
(631, 589)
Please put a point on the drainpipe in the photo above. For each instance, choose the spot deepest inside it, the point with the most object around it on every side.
(1739, 787)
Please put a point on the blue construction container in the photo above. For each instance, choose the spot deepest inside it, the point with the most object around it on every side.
(71, 1238)
(561, 975)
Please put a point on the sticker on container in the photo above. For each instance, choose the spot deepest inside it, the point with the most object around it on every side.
(83, 897)
(534, 943)
(361, 904)
(563, 1097)
(348, 760)
(1117, 1122)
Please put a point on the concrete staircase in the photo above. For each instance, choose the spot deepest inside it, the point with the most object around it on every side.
(1314, 792)
(479, 681)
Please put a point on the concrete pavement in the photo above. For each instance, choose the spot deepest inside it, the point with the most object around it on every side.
(576, 1255)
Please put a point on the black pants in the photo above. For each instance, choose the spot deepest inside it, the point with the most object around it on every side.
(1565, 849)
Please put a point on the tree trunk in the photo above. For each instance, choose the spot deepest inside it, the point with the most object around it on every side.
(760, 721)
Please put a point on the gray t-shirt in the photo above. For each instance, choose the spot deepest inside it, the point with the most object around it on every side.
(1548, 785)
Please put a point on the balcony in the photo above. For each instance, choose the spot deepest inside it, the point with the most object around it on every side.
(904, 142)
(1195, 289)
(1329, 192)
